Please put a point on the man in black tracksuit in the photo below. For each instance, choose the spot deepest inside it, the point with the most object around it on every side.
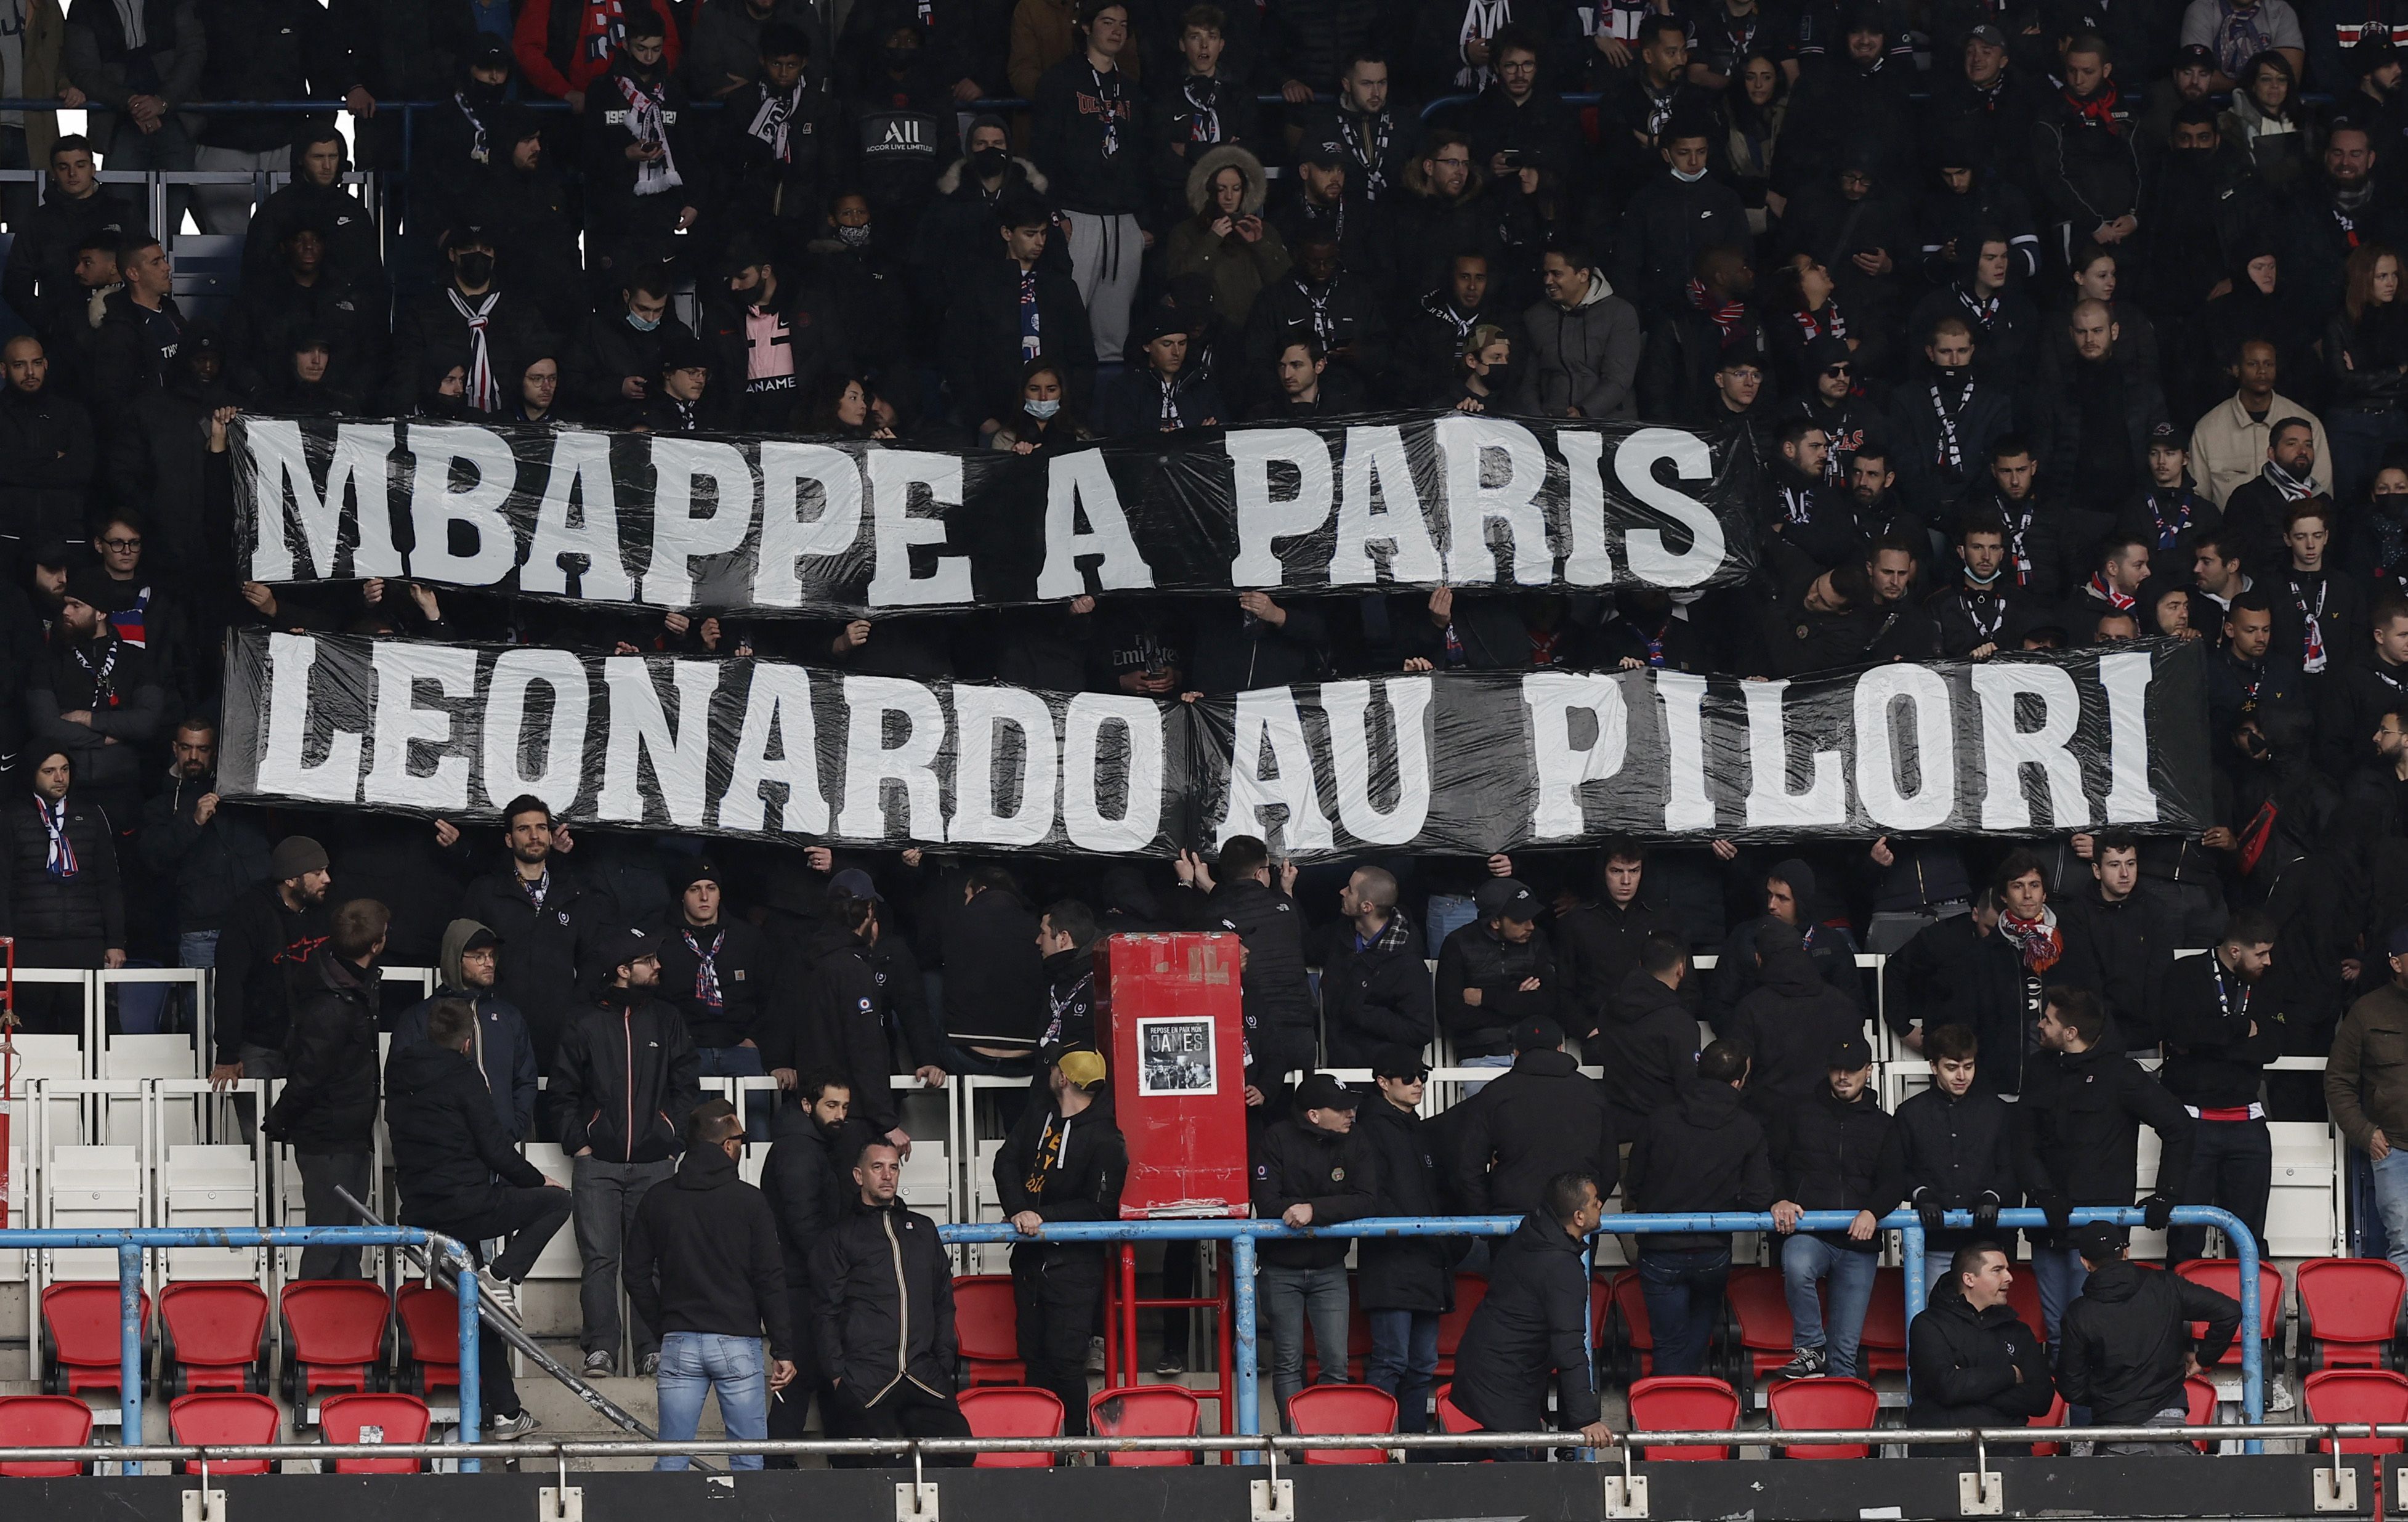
(327, 1111)
(449, 1147)
(1375, 988)
(836, 1019)
(1534, 1323)
(2078, 1136)
(1542, 1118)
(1702, 1152)
(1495, 973)
(1599, 942)
(1278, 1002)
(704, 1266)
(2126, 1342)
(1826, 1154)
(1063, 1161)
(1961, 972)
(1951, 1146)
(1406, 1282)
(625, 1067)
(809, 1193)
(546, 912)
(1789, 1023)
(882, 1315)
(2216, 1051)
(274, 928)
(1647, 1047)
(1310, 1170)
(1974, 1363)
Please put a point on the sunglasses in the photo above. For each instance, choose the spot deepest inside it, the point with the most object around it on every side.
(1835, 369)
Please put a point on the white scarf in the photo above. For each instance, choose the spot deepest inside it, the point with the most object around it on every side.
(484, 392)
(647, 123)
(770, 122)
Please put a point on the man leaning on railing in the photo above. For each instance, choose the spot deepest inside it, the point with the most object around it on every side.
(1534, 1324)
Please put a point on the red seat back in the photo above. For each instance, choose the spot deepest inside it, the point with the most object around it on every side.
(214, 1325)
(1450, 1415)
(1882, 1345)
(222, 1418)
(1630, 1325)
(1325, 1409)
(2223, 1275)
(986, 1321)
(2359, 1395)
(44, 1421)
(2350, 1306)
(430, 1323)
(1469, 1290)
(1013, 1411)
(336, 1321)
(1759, 1302)
(1682, 1404)
(2053, 1416)
(1146, 1410)
(374, 1418)
(80, 1322)
(2199, 1406)
(1803, 1405)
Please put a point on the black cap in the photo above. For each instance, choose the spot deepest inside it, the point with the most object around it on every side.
(1398, 1061)
(624, 947)
(2194, 53)
(489, 51)
(1323, 153)
(853, 881)
(2165, 433)
(1828, 351)
(478, 939)
(1319, 1091)
(92, 586)
(1537, 1034)
(2371, 51)
(2096, 1241)
(200, 332)
(1849, 1055)
(1506, 898)
(681, 350)
(1159, 321)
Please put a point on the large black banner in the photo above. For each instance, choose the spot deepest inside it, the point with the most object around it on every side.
(2017, 745)
(829, 527)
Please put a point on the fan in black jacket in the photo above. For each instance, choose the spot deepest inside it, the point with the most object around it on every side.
(1704, 1152)
(1974, 1363)
(992, 332)
(1544, 1117)
(1495, 973)
(2126, 1341)
(1789, 1023)
(328, 1108)
(1311, 1171)
(836, 1020)
(2113, 944)
(807, 1184)
(1063, 1161)
(2218, 1042)
(1601, 939)
(882, 1315)
(713, 968)
(1375, 988)
(1648, 1048)
(549, 915)
(1951, 1147)
(1534, 1323)
(60, 897)
(1405, 1283)
(1826, 1153)
(1278, 1002)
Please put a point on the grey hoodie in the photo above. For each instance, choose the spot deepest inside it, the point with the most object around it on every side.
(1587, 356)
(503, 1052)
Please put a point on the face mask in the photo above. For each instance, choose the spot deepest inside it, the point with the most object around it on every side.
(1951, 373)
(642, 325)
(1985, 581)
(989, 161)
(1041, 412)
(475, 267)
(1688, 179)
(854, 238)
(1499, 373)
(899, 59)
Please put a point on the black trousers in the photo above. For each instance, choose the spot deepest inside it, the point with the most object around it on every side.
(1057, 1290)
(527, 1220)
(321, 1174)
(907, 1411)
(789, 1409)
(2232, 1167)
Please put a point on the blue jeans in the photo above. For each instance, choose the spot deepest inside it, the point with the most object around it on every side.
(1500, 1061)
(1291, 1297)
(693, 1364)
(2062, 1277)
(1404, 1363)
(1447, 913)
(195, 948)
(1684, 1290)
(756, 1106)
(1805, 1261)
(2390, 1177)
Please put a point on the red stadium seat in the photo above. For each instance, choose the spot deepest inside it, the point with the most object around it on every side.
(1883, 1348)
(213, 1336)
(1013, 1411)
(2359, 1395)
(1469, 1290)
(1682, 1404)
(429, 1318)
(1759, 1308)
(2023, 1293)
(1634, 1344)
(225, 1420)
(334, 1336)
(80, 1337)
(1326, 1409)
(986, 1319)
(1147, 1411)
(2349, 1312)
(374, 1418)
(2199, 1407)
(44, 1421)
(2053, 1416)
(1450, 1415)
(1803, 1405)
(2223, 1275)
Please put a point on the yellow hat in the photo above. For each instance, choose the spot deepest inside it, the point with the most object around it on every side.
(1083, 1067)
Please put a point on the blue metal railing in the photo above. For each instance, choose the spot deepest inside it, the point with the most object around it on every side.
(131, 1244)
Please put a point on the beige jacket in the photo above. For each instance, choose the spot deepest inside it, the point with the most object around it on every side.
(2227, 447)
(2366, 1077)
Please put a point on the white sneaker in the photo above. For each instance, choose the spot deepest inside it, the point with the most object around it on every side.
(2278, 1395)
(506, 1428)
(501, 1292)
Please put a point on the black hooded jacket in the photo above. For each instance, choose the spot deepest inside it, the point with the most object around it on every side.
(836, 1021)
(1597, 948)
(1647, 1049)
(1789, 1025)
(1702, 1152)
(1077, 1165)
(1533, 1323)
(882, 1303)
(704, 1256)
(1404, 1273)
(1543, 1117)
(447, 1143)
(1976, 1368)
(2122, 1346)
(329, 1104)
(333, 212)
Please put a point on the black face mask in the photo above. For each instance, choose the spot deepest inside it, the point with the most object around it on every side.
(899, 59)
(475, 267)
(1499, 374)
(990, 162)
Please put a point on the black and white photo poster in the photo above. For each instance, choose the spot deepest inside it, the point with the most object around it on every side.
(2019, 745)
(1177, 1055)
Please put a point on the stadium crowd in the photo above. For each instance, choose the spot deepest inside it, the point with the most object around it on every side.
(2049, 326)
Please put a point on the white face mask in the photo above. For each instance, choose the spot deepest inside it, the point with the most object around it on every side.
(1688, 179)
(1041, 412)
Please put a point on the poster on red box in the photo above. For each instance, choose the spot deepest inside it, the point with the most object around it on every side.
(1168, 1011)
(1176, 1056)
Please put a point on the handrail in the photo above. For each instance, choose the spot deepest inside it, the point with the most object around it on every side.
(132, 1242)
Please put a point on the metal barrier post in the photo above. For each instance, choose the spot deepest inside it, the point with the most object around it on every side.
(129, 1344)
(1241, 1283)
(471, 1343)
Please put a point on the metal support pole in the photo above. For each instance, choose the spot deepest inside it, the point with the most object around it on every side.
(471, 1345)
(1241, 1283)
(129, 1344)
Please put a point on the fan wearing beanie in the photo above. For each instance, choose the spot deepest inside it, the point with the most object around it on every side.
(97, 697)
(712, 967)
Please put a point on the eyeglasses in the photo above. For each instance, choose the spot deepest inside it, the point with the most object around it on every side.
(1452, 163)
(121, 544)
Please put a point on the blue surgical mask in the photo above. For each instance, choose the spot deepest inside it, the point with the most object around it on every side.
(642, 325)
(1042, 411)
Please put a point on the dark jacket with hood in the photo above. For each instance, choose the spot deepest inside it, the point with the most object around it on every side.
(1789, 1025)
(1702, 1152)
(1585, 357)
(504, 1053)
(882, 1302)
(211, 865)
(611, 204)
(447, 1146)
(539, 970)
(37, 905)
(1953, 973)
(1092, 138)
(810, 1190)
(833, 1019)
(1474, 957)
(2122, 1346)
(995, 976)
(2111, 950)
(262, 946)
(1404, 1273)
(704, 1256)
(345, 225)
(48, 459)
(1543, 1117)
(329, 1104)
(1827, 1156)
(1965, 1366)
(1647, 1047)
(1278, 1000)
(1597, 948)
(1374, 996)
(624, 1079)
(1298, 1163)
(1533, 1323)
(1086, 1161)
(2078, 1129)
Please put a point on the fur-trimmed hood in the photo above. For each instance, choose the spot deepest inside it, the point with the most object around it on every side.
(951, 180)
(1227, 156)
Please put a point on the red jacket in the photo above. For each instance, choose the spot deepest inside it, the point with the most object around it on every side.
(561, 45)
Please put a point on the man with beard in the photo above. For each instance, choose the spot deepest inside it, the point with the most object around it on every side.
(1314, 201)
(1639, 103)
(1445, 212)
(2248, 678)
(1879, 512)
(1806, 513)
(208, 853)
(1849, 417)
(1377, 136)
(1902, 629)
(2169, 511)
(2037, 521)
(1064, 1160)
(2231, 444)
(1854, 106)
(770, 339)
(2256, 511)
(1984, 609)
(1690, 340)
(645, 168)
(2328, 215)
(2361, 692)
(326, 1112)
(2097, 420)
(1946, 419)
(2088, 156)
(273, 928)
(469, 962)
(48, 454)
(1066, 934)
(1431, 331)
(546, 912)
(808, 1195)
(1375, 991)
(98, 698)
(2217, 1050)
